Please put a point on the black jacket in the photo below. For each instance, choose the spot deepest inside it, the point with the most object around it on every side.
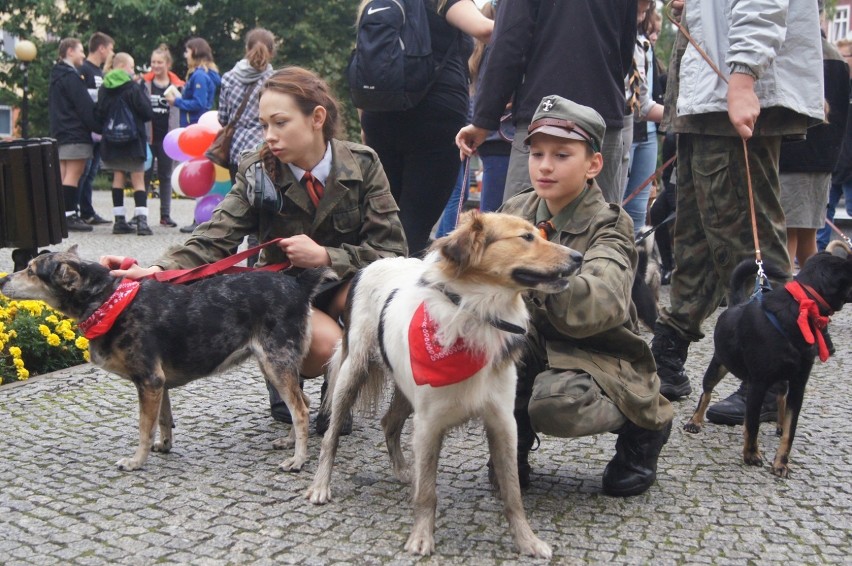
(70, 107)
(578, 49)
(818, 153)
(140, 104)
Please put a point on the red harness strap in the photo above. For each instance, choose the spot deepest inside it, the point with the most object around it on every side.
(811, 322)
(101, 321)
(433, 364)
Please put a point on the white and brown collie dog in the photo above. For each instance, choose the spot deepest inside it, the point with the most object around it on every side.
(449, 330)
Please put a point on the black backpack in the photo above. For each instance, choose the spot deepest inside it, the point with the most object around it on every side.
(120, 127)
(392, 67)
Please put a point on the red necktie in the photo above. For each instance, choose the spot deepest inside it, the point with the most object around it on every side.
(314, 187)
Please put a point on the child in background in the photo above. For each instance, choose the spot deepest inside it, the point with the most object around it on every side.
(118, 86)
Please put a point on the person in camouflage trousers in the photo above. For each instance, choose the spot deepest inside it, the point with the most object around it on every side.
(766, 51)
(586, 370)
(328, 199)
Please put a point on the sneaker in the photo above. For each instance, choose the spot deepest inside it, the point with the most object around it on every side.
(96, 220)
(669, 351)
(167, 221)
(189, 229)
(731, 411)
(76, 224)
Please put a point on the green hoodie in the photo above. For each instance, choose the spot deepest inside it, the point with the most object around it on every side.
(116, 78)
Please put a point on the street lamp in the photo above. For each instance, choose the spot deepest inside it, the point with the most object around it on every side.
(26, 52)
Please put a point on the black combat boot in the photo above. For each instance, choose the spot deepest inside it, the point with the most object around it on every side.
(120, 226)
(731, 410)
(142, 228)
(669, 351)
(633, 469)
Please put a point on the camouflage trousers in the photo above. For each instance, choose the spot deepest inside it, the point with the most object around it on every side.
(558, 402)
(713, 229)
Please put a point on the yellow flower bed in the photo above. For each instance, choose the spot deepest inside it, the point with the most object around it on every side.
(36, 339)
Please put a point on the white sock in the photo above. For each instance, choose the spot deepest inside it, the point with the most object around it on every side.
(141, 211)
(118, 211)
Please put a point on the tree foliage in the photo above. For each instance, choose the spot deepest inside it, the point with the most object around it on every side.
(316, 35)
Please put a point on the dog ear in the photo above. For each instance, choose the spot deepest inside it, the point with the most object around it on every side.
(72, 250)
(464, 245)
(67, 277)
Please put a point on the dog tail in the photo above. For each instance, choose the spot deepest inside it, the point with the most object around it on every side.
(316, 280)
(742, 279)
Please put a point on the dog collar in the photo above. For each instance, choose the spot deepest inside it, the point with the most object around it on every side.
(497, 323)
(431, 363)
(100, 322)
(811, 322)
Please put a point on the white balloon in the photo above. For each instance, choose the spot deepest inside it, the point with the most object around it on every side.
(210, 121)
(176, 179)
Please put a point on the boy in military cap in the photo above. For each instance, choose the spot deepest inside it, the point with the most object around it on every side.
(586, 370)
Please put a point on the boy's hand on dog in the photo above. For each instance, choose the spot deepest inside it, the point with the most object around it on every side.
(304, 252)
(115, 263)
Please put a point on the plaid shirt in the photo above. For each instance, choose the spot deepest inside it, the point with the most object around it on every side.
(248, 134)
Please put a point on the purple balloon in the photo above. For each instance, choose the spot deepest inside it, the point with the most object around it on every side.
(205, 206)
(171, 147)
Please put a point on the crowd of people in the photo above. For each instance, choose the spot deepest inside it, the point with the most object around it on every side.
(584, 97)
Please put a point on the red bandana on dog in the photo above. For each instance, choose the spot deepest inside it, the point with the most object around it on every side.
(430, 363)
(809, 315)
(102, 319)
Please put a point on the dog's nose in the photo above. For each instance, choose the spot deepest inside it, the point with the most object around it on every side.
(576, 256)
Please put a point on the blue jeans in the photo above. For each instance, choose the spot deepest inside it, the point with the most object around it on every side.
(494, 170)
(643, 161)
(834, 193)
(84, 193)
(451, 211)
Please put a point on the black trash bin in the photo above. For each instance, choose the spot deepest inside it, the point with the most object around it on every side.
(32, 208)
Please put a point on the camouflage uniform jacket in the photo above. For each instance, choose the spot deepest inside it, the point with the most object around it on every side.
(592, 325)
(356, 220)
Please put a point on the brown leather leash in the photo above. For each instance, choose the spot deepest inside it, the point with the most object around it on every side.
(645, 183)
(839, 232)
(758, 259)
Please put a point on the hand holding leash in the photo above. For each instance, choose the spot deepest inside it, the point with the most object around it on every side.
(126, 267)
(743, 105)
(469, 138)
(303, 252)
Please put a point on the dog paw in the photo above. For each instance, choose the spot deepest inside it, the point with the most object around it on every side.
(318, 495)
(420, 542)
(164, 446)
(283, 443)
(754, 459)
(692, 427)
(292, 465)
(781, 471)
(128, 464)
(536, 547)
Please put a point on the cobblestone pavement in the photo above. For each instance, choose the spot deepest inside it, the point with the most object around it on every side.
(219, 498)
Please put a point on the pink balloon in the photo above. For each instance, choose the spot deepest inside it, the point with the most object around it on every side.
(171, 147)
(205, 206)
(197, 177)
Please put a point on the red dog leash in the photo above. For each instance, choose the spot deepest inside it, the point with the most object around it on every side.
(100, 322)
